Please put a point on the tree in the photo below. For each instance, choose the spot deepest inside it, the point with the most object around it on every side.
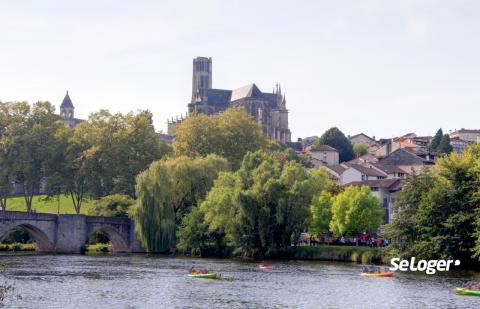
(116, 205)
(32, 140)
(335, 138)
(166, 192)
(436, 140)
(437, 215)
(12, 115)
(321, 210)
(360, 150)
(403, 230)
(355, 211)
(195, 238)
(230, 134)
(448, 211)
(104, 154)
(444, 147)
(264, 206)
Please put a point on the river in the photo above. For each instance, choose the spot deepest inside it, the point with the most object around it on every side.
(141, 281)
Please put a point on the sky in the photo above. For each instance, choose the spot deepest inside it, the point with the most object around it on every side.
(384, 68)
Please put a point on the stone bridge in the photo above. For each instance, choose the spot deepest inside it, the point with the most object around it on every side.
(68, 233)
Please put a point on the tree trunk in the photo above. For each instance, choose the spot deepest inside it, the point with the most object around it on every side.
(77, 198)
(28, 195)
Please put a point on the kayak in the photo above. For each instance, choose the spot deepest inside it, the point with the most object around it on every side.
(385, 274)
(204, 276)
(265, 267)
(463, 291)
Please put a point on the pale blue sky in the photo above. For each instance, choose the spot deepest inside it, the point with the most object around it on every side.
(380, 67)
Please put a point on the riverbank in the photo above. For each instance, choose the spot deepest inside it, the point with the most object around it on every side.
(17, 247)
(351, 254)
(348, 254)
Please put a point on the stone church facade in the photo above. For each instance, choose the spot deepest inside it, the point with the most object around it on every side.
(268, 109)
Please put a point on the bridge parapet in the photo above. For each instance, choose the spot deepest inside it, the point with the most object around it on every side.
(19, 215)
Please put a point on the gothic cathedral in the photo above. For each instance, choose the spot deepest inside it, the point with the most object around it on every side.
(268, 109)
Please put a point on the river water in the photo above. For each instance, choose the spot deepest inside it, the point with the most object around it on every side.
(141, 281)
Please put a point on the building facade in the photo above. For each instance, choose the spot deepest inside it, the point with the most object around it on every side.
(268, 109)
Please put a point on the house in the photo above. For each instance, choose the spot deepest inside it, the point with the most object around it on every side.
(406, 160)
(466, 135)
(385, 190)
(323, 155)
(366, 158)
(458, 144)
(336, 170)
(362, 139)
(358, 172)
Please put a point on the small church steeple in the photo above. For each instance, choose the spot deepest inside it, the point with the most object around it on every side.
(66, 108)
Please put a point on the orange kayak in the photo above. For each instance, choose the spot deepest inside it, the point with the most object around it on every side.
(265, 267)
(384, 274)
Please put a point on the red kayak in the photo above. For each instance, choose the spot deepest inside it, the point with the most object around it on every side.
(265, 267)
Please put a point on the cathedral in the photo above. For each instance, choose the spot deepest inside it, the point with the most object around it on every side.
(268, 109)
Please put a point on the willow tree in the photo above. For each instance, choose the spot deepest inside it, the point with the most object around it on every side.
(262, 208)
(166, 192)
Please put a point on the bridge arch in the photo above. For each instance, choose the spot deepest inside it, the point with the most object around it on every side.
(42, 243)
(119, 244)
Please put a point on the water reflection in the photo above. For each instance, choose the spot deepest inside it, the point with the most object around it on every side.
(141, 281)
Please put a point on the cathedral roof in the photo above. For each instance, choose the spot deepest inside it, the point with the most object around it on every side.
(248, 91)
(219, 97)
(66, 103)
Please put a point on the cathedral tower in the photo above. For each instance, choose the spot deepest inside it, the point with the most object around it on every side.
(202, 77)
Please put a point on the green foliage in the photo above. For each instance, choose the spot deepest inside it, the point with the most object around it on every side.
(355, 211)
(437, 215)
(108, 151)
(436, 140)
(195, 238)
(403, 231)
(335, 138)
(441, 143)
(166, 192)
(16, 235)
(116, 205)
(444, 146)
(264, 206)
(321, 210)
(230, 134)
(28, 146)
(360, 150)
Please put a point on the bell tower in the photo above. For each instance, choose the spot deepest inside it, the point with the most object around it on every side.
(66, 108)
(202, 77)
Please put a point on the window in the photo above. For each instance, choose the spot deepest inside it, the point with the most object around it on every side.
(380, 177)
(364, 177)
(374, 189)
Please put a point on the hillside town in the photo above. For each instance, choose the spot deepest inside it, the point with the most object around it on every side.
(383, 166)
(386, 163)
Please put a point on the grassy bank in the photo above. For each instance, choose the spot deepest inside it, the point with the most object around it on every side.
(97, 248)
(355, 254)
(17, 247)
(43, 204)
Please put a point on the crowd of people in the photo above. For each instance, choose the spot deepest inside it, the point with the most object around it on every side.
(364, 239)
